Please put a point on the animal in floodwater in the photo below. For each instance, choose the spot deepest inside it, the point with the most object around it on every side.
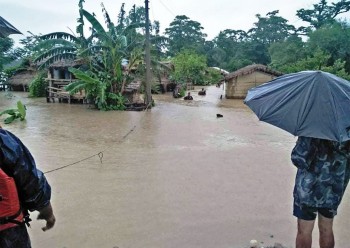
(219, 115)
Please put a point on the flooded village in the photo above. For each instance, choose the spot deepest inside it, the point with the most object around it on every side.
(153, 140)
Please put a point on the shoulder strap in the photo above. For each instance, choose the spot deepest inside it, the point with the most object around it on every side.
(11, 219)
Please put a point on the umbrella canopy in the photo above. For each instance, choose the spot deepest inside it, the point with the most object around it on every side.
(309, 103)
(6, 28)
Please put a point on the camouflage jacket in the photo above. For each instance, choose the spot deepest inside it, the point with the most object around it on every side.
(323, 172)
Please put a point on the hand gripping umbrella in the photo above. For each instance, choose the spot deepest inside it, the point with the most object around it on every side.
(6, 28)
(308, 103)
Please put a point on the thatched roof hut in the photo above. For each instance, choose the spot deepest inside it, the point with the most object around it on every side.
(21, 81)
(132, 91)
(63, 63)
(239, 82)
(252, 68)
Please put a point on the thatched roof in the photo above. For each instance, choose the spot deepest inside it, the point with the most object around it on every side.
(64, 63)
(252, 68)
(22, 78)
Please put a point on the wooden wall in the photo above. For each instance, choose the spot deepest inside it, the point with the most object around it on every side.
(238, 87)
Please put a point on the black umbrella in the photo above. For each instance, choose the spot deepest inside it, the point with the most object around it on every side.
(309, 103)
(6, 28)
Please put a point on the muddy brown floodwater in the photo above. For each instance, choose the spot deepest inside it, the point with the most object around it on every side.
(181, 178)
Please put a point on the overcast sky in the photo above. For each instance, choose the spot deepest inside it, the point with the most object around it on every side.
(45, 16)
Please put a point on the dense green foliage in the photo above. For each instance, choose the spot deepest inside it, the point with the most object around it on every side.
(6, 45)
(37, 88)
(189, 67)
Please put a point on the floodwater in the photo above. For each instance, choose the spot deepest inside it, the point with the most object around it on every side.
(174, 176)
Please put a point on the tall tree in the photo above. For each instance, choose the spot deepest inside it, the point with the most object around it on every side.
(136, 15)
(287, 52)
(227, 46)
(27, 50)
(270, 29)
(334, 40)
(323, 13)
(184, 33)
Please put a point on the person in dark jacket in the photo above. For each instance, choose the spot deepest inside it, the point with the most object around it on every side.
(34, 192)
(202, 92)
(188, 97)
(322, 177)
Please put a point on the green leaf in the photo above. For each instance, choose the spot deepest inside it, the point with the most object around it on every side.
(95, 24)
(21, 110)
(9, 112)
(75, 87)
(9, 119)
(64, 56)
(83, 76)
(59, 35)
(48, 44)
(132, 27)
(54, 52)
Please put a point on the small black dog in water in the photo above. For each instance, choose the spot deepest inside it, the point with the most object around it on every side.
(219, 115)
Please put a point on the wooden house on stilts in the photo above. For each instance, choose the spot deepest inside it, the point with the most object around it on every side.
(58, 76)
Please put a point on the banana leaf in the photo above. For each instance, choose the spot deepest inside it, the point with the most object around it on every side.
(83, 76)
(59, 35)
(95, 24)
(21, 110)
(9, 112)
(10, 119)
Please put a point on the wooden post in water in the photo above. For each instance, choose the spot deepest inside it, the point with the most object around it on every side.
(148, 60)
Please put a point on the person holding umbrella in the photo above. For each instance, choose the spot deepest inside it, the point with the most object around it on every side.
(315, 106)
(322, 176)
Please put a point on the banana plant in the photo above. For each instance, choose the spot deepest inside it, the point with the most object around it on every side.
(110, 49)
(93, 86)
(19, 113)
(102, 52)
(61, 45)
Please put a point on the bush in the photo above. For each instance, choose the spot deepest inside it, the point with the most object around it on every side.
(37, 88)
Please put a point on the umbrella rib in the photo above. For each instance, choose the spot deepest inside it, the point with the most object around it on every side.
(302, 111)
(334, 108)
